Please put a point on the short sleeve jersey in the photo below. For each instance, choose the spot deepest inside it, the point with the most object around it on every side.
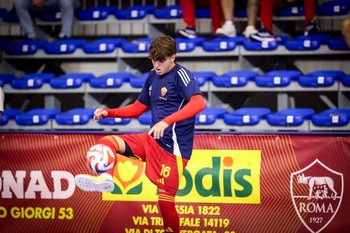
(165, 95)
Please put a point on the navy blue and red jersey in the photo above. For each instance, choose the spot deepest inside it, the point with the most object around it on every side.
(165, 95)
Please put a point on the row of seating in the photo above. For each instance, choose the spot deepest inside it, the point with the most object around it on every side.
(290, 117)
(100, 13)
(141, 45)
(240, 78)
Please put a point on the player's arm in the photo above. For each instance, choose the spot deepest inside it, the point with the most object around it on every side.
(194, 106)
(133, 110)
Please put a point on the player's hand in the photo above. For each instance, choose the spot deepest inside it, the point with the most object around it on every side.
(99, 113)
(158, 130)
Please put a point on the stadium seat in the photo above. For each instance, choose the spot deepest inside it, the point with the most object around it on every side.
(8, 16)
(246, 116)
(64, 46)
(290, 11)
(146, 118)
(70, 80)
(337, 43)
(332, 117)
(277, 78)
(234, 78)
(138, 81)
(98, 13)
(103, 45)
(240, 13)
(134, 12)
(114, 121)
(9, 114)
(168, 12)
(261, 46)
(37, 116)
(188, 45)
(222, 43)
(6, 79)
(333, 7)
(202, 13)
(50, 16)
(311, 42)
(203, 76)
(110, 80)
(25, 47)
(137, 45)
(320, 78)
(209, 115)
(76, 116)
(32, 81)
(345, 80)
(289, 116)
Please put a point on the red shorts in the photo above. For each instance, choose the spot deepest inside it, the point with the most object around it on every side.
(162, 168)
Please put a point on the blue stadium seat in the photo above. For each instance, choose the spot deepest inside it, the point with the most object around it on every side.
(277, 78)
(209, 115)
(8, 16)
(111, 80)
(333, 7)
(75, 116)
(234, 78)
(320, 78)
(146, 118)
(71, 80)
(246, 116)
(290, 11)
(203, 76)
(4, 43)
(188, 45)
(50, 16)
(32, 81)
(311, 42)
(37, 116)
(202, 13)
(337, 43)
(138, 81)
(6, 79)
(97, 13)
(240, 13)
(64, 46)
(114, 121)
(137, 45)
(103, 45)
(261, 46)
(345, 80)
(169, 12)
(290, 116)
(134, 12)
(332, 117)
(222, 43)
(9, 114)
(25, 47)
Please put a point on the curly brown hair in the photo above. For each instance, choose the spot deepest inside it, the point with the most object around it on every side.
(162, 47)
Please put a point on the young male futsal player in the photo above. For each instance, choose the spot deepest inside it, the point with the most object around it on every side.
(172, 95)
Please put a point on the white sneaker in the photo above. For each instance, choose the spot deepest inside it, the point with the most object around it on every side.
(228, 30)
(249, 30)
(102, 183)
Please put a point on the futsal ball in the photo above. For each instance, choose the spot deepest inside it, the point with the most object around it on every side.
(100, 158)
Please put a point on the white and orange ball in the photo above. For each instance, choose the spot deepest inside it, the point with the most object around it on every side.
(100, 158)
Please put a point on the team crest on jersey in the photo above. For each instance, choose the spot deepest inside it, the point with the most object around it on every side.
(316, 192)
(163, 91)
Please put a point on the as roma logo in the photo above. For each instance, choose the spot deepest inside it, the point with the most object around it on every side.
(317, 192)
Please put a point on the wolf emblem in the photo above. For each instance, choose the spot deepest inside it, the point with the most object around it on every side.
(313, 181)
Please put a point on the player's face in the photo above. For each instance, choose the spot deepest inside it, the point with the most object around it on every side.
(164, 66)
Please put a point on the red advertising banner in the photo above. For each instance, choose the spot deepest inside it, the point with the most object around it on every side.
(232, 184)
